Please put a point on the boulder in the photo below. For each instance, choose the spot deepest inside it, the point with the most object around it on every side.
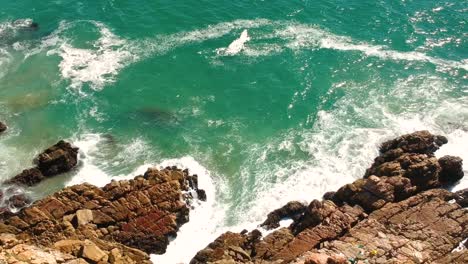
(59, 158)
(451, 170)
(83, 217)
(92, 252)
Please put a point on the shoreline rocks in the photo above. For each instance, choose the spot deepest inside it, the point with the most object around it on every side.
(121, 222)
(397, 213)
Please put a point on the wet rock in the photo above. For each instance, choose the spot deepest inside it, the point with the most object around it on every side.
(59, 158)
(3, 127)
(28, 177)
(201, 195)
(135, 217)
(422, 142)
(291, 210)
(12, 199)
(451, 170)
(461, 197)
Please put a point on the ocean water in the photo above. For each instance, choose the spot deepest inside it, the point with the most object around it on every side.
(267, 101)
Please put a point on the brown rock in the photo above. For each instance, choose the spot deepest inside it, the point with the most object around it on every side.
(291, 210)
(69, 246)
(452, 170)
(59, 158)
(92, 252)
(84, 216)
(421, 142)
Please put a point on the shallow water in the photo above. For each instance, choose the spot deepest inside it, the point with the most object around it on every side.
(292, 110)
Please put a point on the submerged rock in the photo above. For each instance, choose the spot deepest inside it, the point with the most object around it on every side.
(123, 221)
(3, 127)
(395, 214)
(59, 158)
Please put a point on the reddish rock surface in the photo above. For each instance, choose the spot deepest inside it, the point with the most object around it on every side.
(396, 214)
(126, 219)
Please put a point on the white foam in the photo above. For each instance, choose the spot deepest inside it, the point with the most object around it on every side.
(96, 67)
(89, 171)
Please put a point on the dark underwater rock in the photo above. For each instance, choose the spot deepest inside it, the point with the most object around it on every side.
(3, 127)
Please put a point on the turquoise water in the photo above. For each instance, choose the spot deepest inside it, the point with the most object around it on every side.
(296, 109)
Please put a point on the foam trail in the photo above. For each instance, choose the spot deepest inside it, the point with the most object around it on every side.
(98, 66)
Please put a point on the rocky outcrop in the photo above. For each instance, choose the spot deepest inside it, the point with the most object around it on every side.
(291, 210)
(422, 229)
(121, 222)
(3, 127)
(396, 214)
(59, 158)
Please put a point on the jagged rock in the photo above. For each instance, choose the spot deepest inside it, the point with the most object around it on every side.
(229, 247)
(290, 210)
(59, 158)
(28, 177)
(405, 166)
(135, 217)
(3, 127)
(422, 142)
(452, 170)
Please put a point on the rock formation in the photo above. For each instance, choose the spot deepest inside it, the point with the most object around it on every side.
(3, 127)
(59, 158)
(397, 213)
(121, 222)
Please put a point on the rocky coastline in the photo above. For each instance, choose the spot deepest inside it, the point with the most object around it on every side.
(401, 211)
